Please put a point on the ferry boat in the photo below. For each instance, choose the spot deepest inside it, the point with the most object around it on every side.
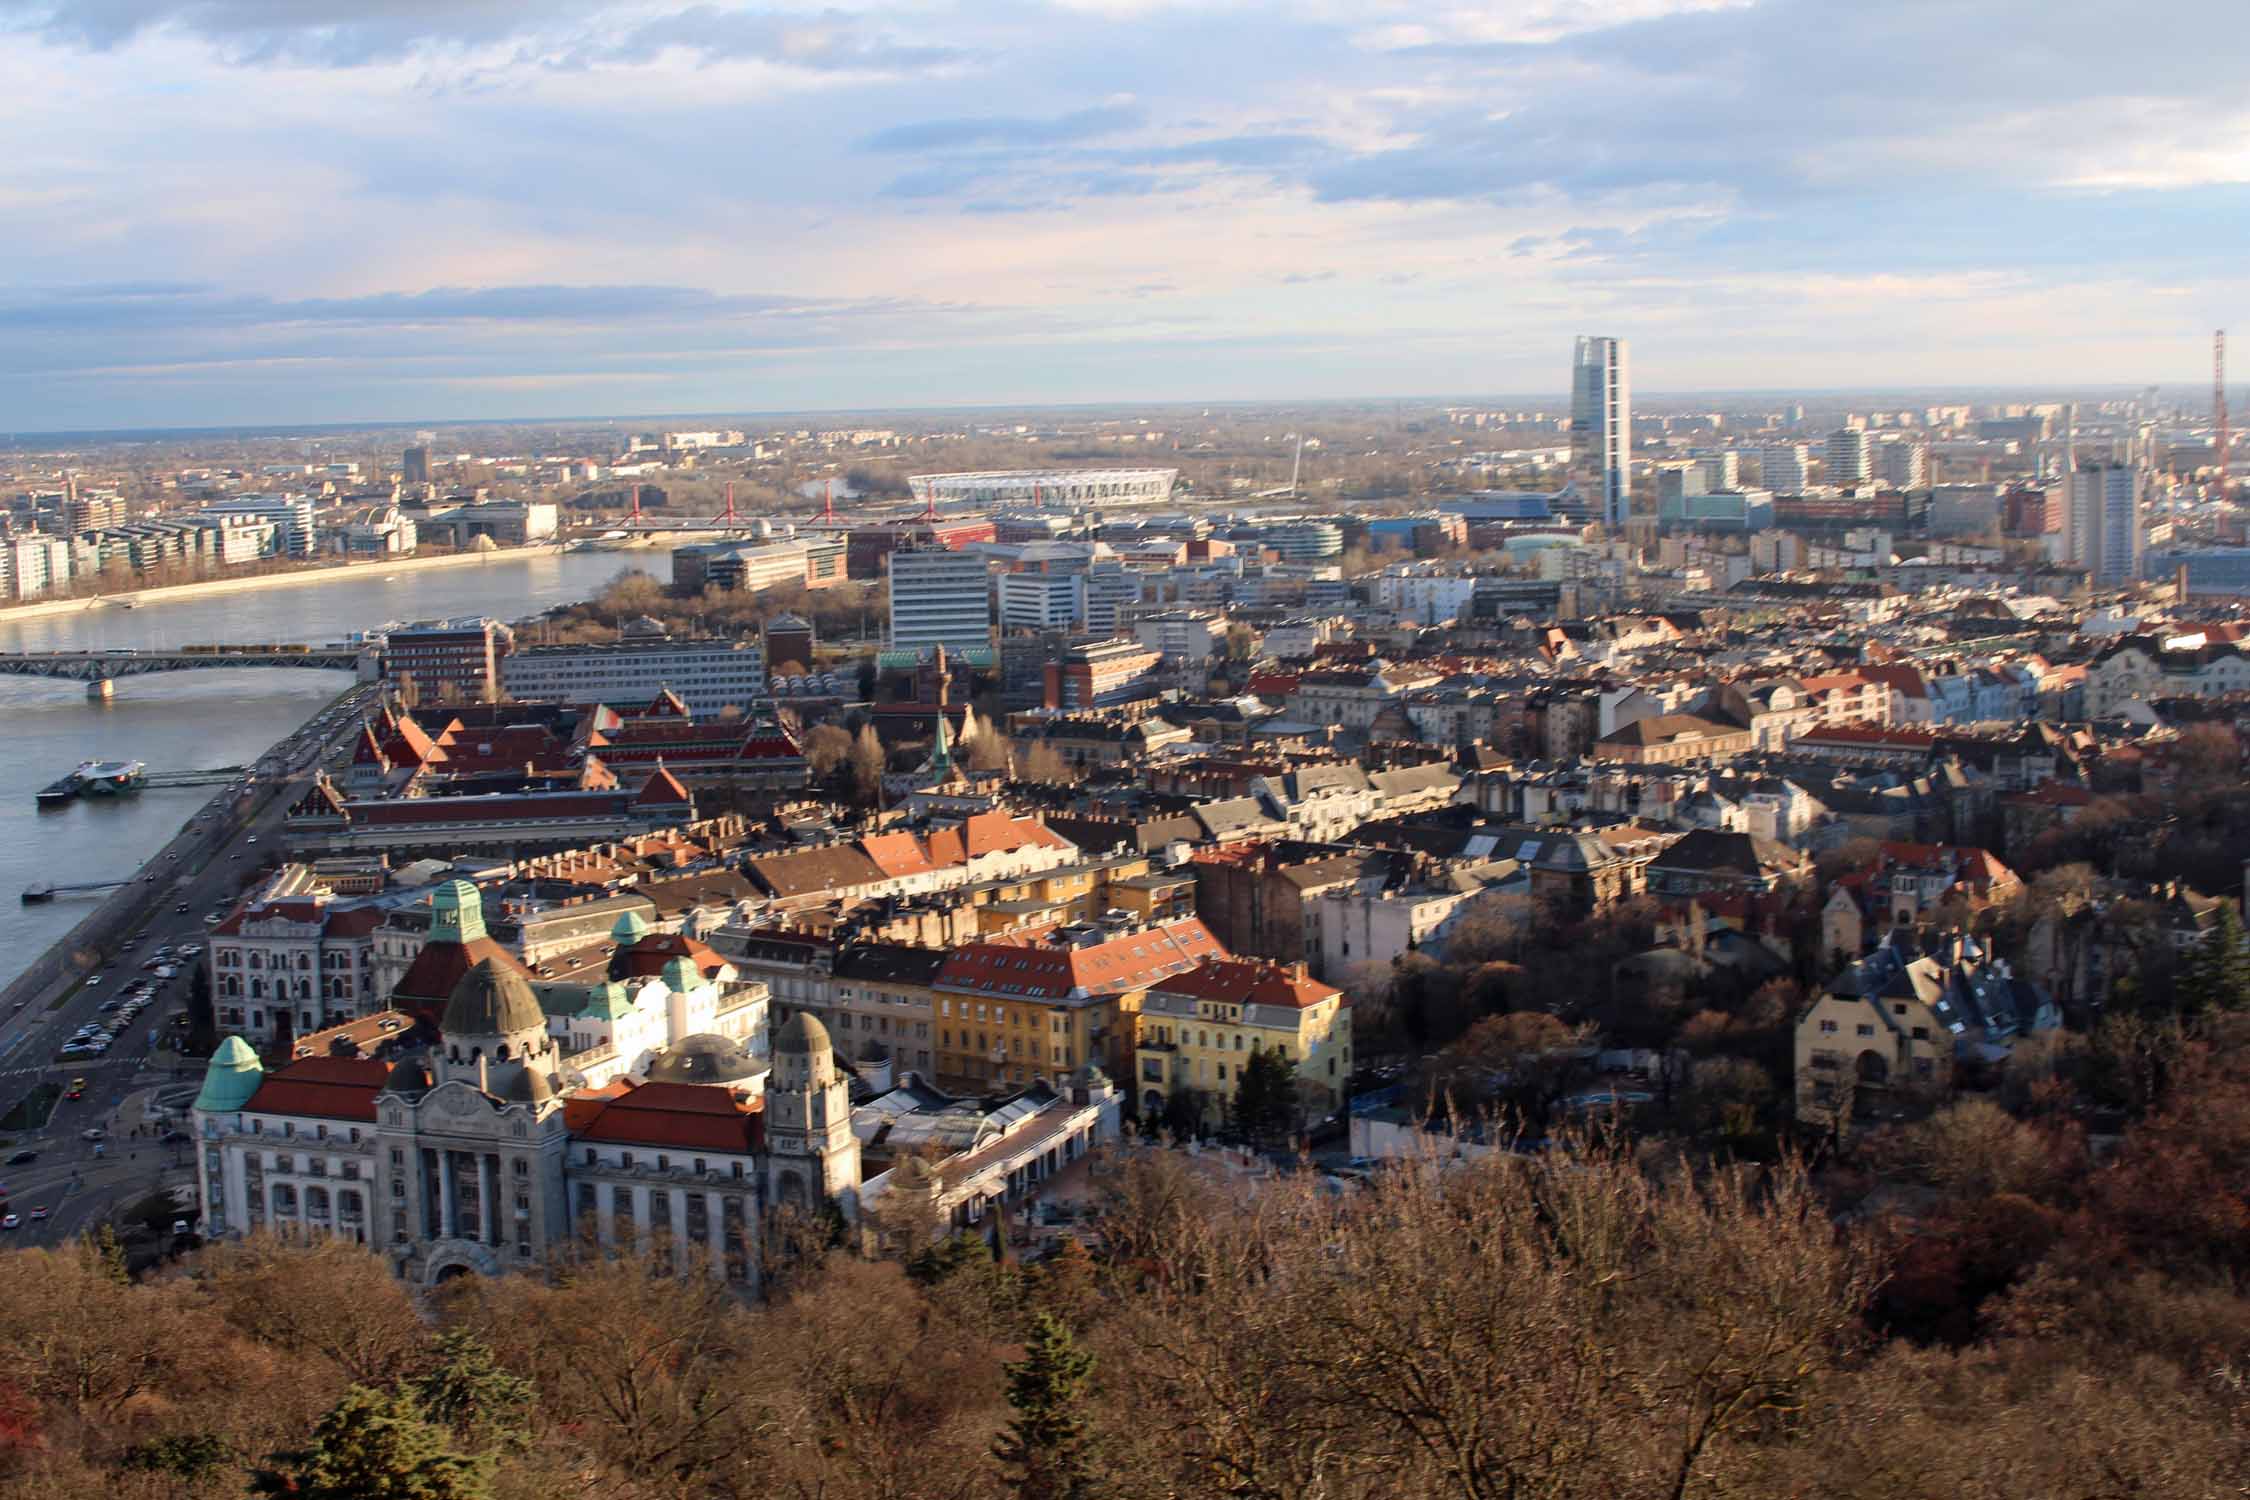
(109, 778)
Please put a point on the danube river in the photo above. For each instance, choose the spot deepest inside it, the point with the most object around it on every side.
(188, 720)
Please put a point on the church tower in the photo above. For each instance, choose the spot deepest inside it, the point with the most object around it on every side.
(811, 1153)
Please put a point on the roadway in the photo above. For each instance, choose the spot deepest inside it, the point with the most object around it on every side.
(82, 1182)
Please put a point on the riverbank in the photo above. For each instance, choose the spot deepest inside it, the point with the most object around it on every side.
(215, 587)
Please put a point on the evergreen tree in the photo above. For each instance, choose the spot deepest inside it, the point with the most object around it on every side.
(377, 1445)
(1265, 1100)
(948, 1258)
(2218, 976)
(191, 1457)
(470, 1391)
(1046, 1451)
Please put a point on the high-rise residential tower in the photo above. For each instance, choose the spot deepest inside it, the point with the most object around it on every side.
(1847, 459)
(2102, 523)
(1601, 423)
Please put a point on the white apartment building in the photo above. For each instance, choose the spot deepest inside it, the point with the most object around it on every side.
(1042, 601)
(1182, 634)
(1846, 459)
(1601, 422)
(1781, 468)
(35, 565)
(292, 517)
(708, 675)
(940, 597)
(1902, 463)
(1430, 599)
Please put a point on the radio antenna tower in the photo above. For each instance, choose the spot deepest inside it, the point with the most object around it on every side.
(828, 502)
(728, 514)
(2219, 404)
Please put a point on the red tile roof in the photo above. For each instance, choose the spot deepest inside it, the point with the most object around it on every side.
(675, 1116)
(662, 789)
(333, 1088)
(1041, 970)
(1249, 982)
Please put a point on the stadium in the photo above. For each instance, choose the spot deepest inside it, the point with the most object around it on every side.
(1019, 489)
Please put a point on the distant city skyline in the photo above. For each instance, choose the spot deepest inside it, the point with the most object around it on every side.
(247, 214)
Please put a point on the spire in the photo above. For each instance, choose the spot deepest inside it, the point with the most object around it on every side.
(941, 759)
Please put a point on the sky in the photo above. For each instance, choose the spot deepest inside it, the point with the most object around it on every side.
(234, 212)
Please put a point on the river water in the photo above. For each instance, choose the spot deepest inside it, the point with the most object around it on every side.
(189, 720)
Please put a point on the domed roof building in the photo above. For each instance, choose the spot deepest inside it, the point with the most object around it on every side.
(230, 1078)
(708, 1059)
(495, 1029)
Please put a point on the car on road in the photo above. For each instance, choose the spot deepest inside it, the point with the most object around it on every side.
(181, 909)
(92, 980)
(175, 1137)
(10, 1222)
(95, 1134)
(251, 840)
(179, 1226)
(214, 919)
(109, 1005)
(75, 1095)
(23, 1158)
(38, 1212)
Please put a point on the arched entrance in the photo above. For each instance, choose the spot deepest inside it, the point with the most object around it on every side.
(1873, 1068)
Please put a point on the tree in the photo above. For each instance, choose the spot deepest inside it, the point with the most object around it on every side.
(470, 1391)
(378, 1445)
(990, 752)
(826, 748)
(190, 1457)
(2218, 976)
(1242, 642)
(1265, 1100)
(1046, 1451)
(868, 763)
(1045, 763)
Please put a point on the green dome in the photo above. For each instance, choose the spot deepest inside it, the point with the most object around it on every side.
(230, 1080)
(629, 928)
(608, 1002)
(680, 976)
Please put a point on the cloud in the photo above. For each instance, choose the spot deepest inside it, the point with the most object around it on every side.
(336, 201)
(1005, 130)
(338, 33)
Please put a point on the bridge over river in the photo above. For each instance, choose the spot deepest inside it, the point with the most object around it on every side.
(99, 670)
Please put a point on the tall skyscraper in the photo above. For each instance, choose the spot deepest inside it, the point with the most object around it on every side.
(2102, 523)
(1847, 461)
(1601, 423)
(416, 467)
(940, 597)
